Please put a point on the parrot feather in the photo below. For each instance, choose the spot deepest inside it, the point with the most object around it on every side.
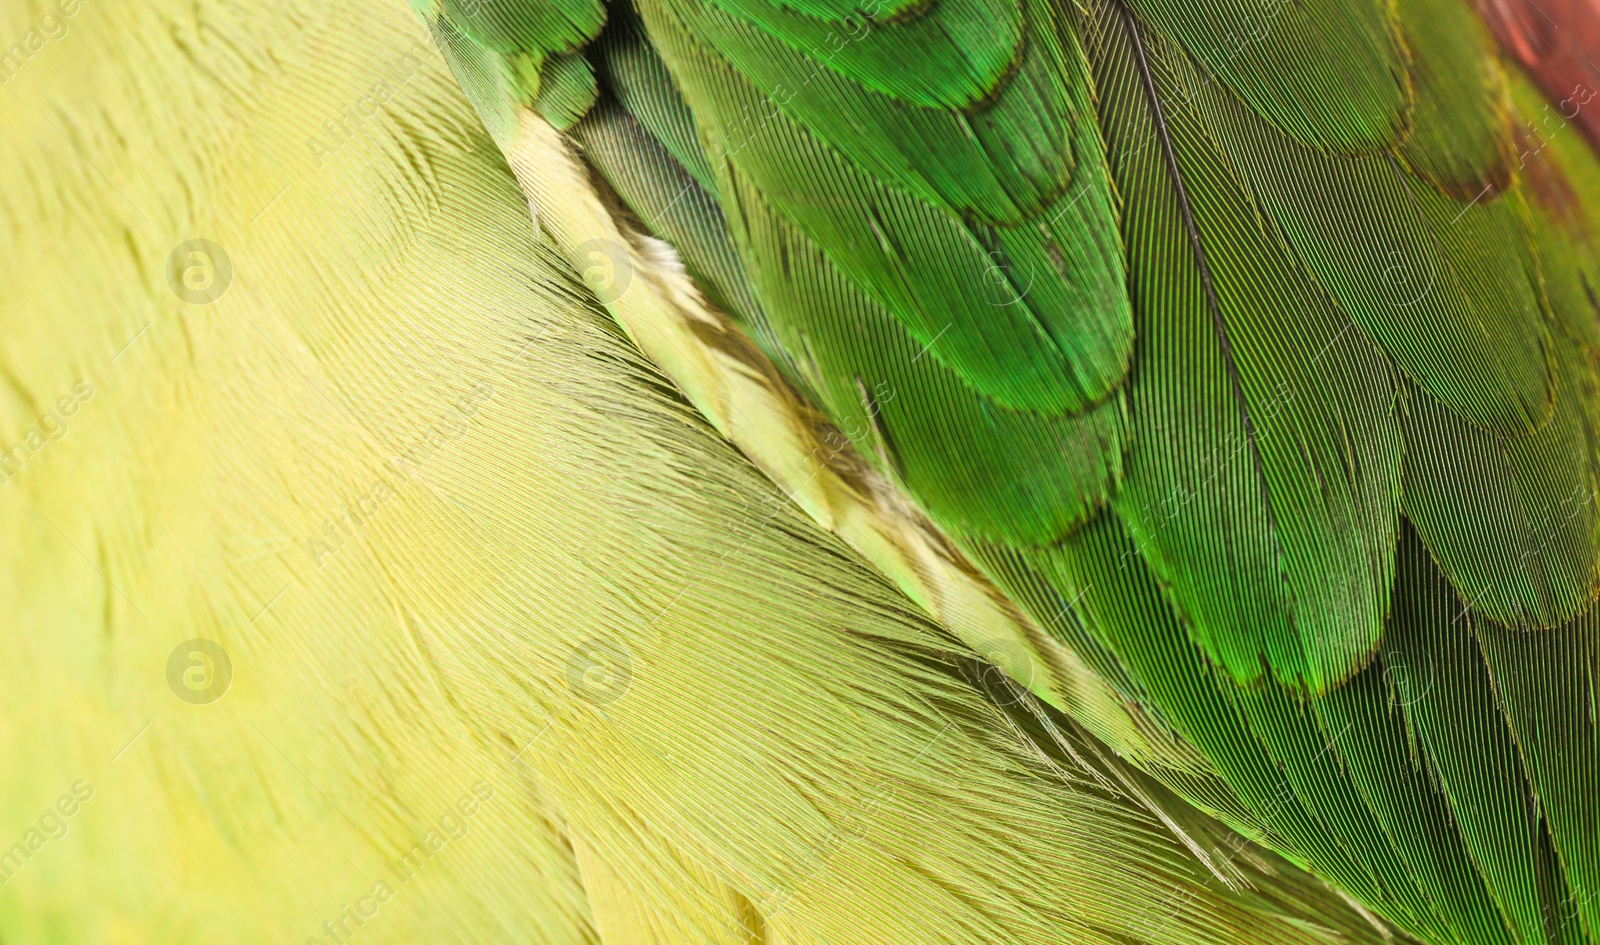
(521, 648)
(1226, 340)
(1328, 73)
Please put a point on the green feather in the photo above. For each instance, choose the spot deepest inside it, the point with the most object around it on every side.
(657, 188)
(1328, 73)
(1449, 290)
(1547, 683)
(511, 26)
(1563, 186)
(982, 467)
(566, 89)
(1263, 482)
(950, 54)
(1456, 719)
(635, 74)
(494, 83)
(1512, 520)
(1459, 138)
(837, 11)
(1046, 331)
(1001, 161)
(1282, 766)
(1378, 748)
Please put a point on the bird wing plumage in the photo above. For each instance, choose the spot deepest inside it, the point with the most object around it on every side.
(1249, 349)
(518, 649)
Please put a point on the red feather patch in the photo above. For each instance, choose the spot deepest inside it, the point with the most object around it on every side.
(1558, 43)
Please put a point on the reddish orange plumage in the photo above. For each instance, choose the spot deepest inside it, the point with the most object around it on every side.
(1558, 43)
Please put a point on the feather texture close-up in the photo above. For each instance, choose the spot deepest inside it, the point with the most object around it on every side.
(800, 472)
